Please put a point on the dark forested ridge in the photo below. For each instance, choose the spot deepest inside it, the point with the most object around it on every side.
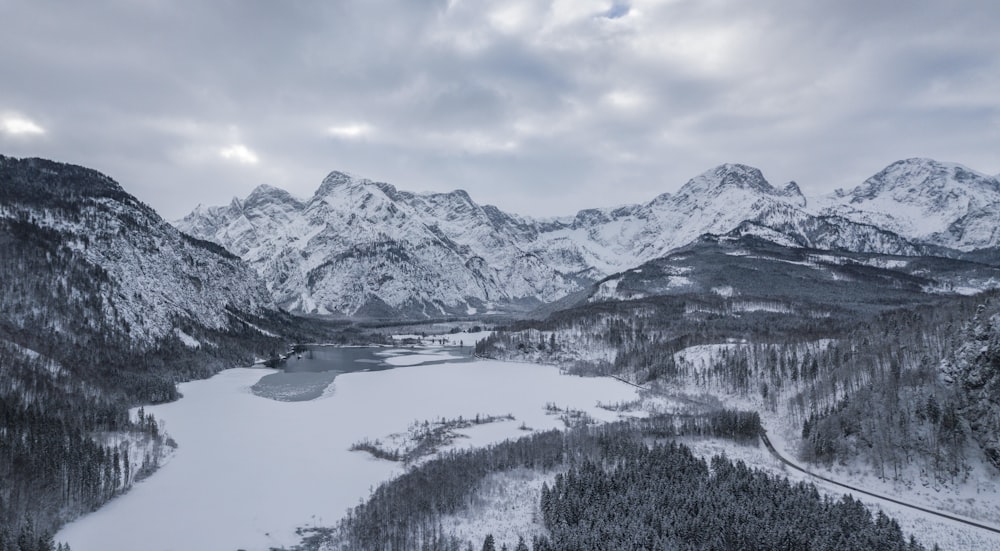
(666, 498)
(88, 331)
(616, 490)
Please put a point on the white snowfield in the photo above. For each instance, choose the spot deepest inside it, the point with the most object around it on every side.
(249, 471)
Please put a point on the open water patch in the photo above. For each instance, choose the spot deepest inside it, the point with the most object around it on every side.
(306, 376)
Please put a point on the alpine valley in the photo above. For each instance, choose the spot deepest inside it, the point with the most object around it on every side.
(695, 361)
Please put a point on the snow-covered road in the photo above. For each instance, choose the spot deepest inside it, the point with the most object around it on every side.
(790, 463)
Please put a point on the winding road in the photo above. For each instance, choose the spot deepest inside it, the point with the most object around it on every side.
(786, 461)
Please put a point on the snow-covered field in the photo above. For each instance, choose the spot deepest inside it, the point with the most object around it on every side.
(249, 470)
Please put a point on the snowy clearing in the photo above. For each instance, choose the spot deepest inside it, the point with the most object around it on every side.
(249, 471)
(188, 340)
(507, 506)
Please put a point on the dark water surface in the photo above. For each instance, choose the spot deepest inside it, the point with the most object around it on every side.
(307, 375)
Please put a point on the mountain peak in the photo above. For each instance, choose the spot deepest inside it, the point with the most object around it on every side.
(337, 179)
(794, 193)
(729, 175)
(42, 179)
(919, 175)
(792, 188)
(264, 194)
(264, 189)
(926, 200)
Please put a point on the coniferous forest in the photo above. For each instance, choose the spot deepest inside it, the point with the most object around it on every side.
(625, 485)
(898, 388)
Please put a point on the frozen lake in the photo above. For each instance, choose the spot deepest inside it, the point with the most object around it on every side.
(250, 469)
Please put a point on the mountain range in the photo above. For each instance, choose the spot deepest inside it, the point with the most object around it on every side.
(364, 248)
(104, 305)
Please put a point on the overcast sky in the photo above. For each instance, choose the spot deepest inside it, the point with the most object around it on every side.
(540, 107)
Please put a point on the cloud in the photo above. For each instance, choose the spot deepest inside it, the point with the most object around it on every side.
(15, 125)
(239, 153)
(351, 131)
(539, 106)
(625, 99)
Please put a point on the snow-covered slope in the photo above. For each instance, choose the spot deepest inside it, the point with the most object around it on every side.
(363, 247)
(718, 201)
(111, 261)
(924, 200)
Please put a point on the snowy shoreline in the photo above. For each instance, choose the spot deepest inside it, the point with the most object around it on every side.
(249, 470)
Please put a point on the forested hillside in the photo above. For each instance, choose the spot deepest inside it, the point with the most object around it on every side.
(614, 490)
(103, 307)
(974, 372)
(908, 387)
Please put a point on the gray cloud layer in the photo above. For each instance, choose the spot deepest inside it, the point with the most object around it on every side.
(540, 107)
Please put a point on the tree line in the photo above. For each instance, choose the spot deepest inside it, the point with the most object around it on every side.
(614, 490)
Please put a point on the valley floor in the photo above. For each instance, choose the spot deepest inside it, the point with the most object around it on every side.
(249, 470)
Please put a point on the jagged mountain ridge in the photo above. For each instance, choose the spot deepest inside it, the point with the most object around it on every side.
(145, 277)
(727, 197)
(363, 247)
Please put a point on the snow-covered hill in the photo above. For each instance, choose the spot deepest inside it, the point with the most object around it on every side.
(109, 261)
(756, 274)
(359, 247)
(924, 200)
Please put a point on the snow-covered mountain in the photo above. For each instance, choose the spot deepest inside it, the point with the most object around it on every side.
(365, 248)
(718, 201)
(928, 201)
(88, 255)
